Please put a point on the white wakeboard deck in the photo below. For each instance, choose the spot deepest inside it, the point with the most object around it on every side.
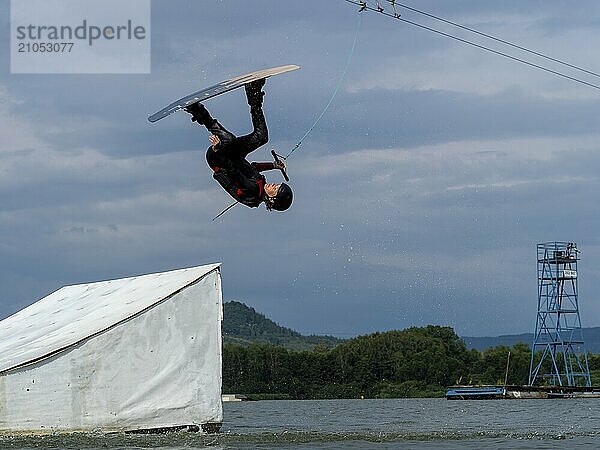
(219, 88)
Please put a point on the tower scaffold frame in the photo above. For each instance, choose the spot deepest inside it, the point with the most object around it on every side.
(558, 356)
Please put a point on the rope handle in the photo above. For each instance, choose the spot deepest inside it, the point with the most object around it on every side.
(280, 162)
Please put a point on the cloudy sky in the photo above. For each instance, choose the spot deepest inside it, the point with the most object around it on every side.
(419, 197)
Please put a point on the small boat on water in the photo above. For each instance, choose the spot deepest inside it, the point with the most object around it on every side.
(475, 392)
(520, 392)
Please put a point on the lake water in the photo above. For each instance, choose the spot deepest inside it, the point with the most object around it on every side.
(378, 424)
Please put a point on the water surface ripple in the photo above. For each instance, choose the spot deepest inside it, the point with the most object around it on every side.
(363, 424)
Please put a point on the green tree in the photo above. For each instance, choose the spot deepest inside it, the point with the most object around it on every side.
(409, 363)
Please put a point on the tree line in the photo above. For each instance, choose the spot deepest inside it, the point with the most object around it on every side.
(416, 362)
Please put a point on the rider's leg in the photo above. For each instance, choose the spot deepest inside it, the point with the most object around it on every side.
(201, 115)
(260, 134)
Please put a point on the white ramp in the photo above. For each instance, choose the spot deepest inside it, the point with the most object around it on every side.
(128, 354)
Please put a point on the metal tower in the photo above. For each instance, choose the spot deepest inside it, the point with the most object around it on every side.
(558, 356)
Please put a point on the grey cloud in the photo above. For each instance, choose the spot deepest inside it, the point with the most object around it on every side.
(412, 206)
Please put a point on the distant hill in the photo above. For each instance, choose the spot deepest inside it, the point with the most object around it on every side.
(242, 325)
(591, 337)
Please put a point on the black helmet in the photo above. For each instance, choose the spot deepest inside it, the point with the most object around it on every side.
(283, 199)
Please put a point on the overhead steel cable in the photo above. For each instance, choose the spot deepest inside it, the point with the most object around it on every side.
(364, 6)
(489, 36)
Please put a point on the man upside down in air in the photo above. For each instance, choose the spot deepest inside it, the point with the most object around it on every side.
(227, 156)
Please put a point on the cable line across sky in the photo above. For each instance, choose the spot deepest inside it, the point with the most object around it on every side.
(377, 8)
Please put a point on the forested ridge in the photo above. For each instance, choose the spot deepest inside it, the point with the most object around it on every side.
(242, 325)
(415, 362)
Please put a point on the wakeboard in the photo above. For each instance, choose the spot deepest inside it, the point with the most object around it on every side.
(218, 89)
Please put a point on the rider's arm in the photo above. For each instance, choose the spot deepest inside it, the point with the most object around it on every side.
(262, 166)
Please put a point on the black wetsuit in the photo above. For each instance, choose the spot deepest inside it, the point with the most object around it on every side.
(241, 179)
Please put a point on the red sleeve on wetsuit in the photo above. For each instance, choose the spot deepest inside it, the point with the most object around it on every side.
(262, 166)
